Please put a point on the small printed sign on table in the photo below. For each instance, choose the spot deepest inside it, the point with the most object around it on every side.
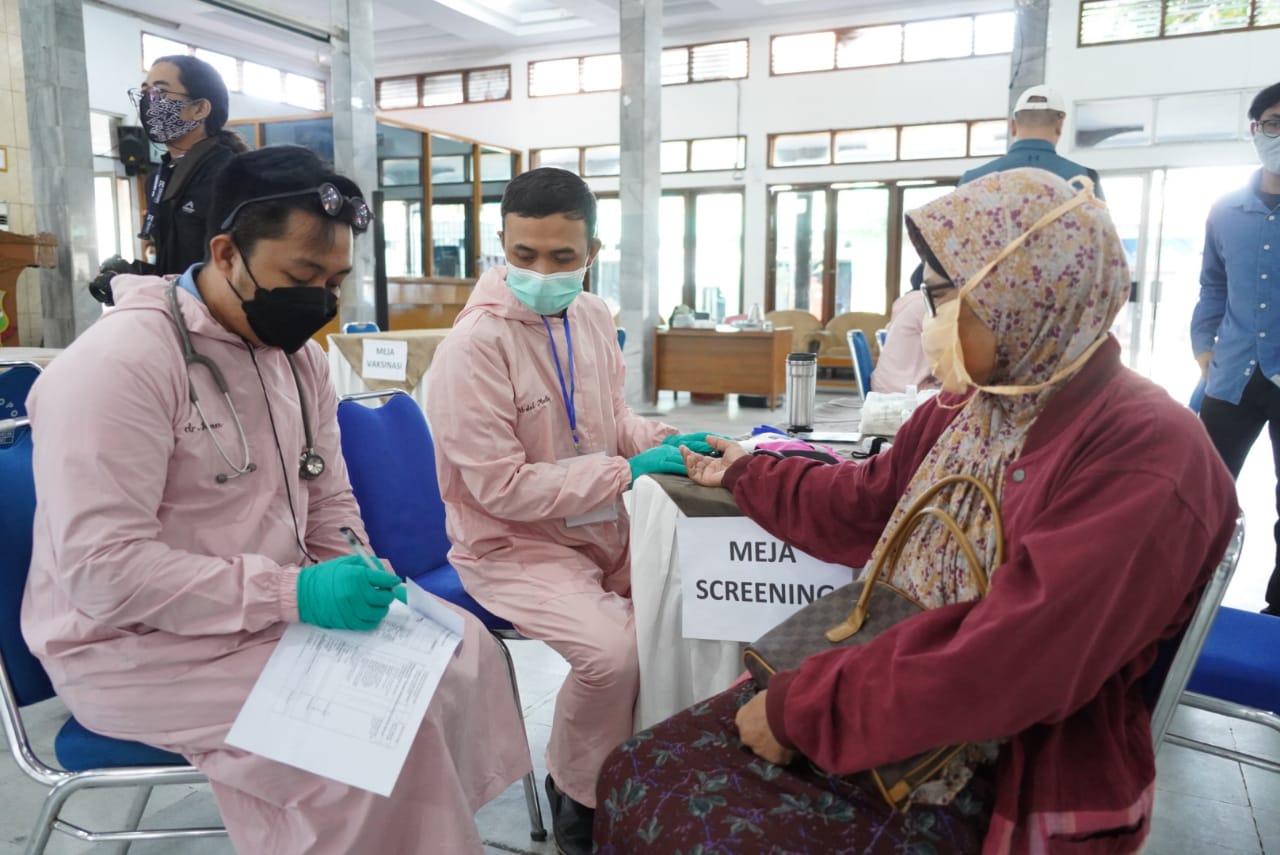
(385, 359)
(738, 581)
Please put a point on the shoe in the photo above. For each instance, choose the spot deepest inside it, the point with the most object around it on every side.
(570, 822)
(1274, 611)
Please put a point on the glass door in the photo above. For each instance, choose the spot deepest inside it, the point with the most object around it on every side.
(862, 233)
(800, 234)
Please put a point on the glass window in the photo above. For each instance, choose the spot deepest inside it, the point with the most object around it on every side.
(102, 134)
(554, 77)
(1204, 16)
(154, 47)
(993, 33)
(397, 92)
(104, 209)
(941, 39)
(606, 272)
(401, 172)
(491, 254)
(228, 67)
(862, 46)
(671, 250)
(866, 146)
(1115, 123)
(305, 92)
(718, 253)
(402, 226)
(563, 158)
(801, 150)
(719, 61)
(496, 165)
(801, 222)
(1202, 116)
(1118, 20)
(602, 160)
(922, 142)
(862, 233)
(263, 81)
(439, 89)
(675, 66)
(718, 153)
(449, 239)
(675, 156)
(601, 73)
(988, 138)
(315, 134)
(1266, 13)
(449, 168)
(489, 84)
(804, 52)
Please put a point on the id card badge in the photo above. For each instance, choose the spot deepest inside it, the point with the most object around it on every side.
(609, 513)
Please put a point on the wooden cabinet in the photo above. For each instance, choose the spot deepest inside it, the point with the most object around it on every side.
(746, 363)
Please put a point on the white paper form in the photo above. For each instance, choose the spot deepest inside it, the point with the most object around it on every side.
(347, 705)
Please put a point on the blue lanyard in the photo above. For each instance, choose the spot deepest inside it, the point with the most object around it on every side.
(570, 408)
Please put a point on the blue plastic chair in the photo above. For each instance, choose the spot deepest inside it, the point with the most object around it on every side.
(15, 382)
(391, 462)
(359, 327)
(622, 339)
(1237, 675)
(860, 352)
(87, 760)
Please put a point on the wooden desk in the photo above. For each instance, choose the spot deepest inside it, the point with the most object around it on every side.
(721, 363)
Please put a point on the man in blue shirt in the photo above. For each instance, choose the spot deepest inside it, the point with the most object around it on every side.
(1036, 128)
(1235, 329)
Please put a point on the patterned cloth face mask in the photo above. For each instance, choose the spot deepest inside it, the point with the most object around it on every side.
(162, 118)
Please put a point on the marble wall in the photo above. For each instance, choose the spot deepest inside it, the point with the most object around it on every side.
(15, 182)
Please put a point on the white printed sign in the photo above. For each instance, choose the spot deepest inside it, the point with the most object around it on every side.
(384, 360)
(738, 581)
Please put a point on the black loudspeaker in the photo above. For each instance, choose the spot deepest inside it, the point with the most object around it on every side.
(134, 148)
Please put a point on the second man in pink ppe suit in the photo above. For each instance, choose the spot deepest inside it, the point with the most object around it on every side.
(535, 446)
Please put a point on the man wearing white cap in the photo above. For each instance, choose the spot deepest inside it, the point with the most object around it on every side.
(1035, 129)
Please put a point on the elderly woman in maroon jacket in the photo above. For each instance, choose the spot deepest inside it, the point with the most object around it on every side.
(1115, 512)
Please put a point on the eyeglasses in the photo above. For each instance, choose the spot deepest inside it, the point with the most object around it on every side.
(930, 300)
(1270, 127)
(136, 95)
(351, 210)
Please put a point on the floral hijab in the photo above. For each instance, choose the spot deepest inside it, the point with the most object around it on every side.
(1050, 302)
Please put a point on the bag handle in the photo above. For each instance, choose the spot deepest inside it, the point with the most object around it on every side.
(914, 515)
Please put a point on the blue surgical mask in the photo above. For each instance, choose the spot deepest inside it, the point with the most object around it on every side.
(545, 293)
(1268, 151)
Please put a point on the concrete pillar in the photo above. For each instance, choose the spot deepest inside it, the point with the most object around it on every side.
(1031, 29)
(57, 96)
(640, 38)
(355, 135)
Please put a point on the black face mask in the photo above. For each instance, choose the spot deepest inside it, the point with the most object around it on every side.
(287, 317)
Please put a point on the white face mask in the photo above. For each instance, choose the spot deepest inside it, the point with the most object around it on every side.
(1268, 151)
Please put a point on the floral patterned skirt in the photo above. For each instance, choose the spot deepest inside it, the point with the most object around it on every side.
(690, 787)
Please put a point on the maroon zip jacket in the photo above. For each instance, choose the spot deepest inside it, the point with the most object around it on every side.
(1115, 515)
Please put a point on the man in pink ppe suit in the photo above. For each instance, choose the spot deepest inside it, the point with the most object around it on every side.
(180, 528)
(533, 436)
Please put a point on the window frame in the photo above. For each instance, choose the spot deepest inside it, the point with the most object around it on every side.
(240, 62)
(534, 156)
(689, 48)
(1250, 26)
(831, 133)
(837, 32)
(420, 81)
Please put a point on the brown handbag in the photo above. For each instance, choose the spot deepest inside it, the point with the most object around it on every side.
(856, 613)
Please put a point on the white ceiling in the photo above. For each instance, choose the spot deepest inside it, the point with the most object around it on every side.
(405, 30)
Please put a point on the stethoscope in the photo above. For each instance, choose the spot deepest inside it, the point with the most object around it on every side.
(310, 464)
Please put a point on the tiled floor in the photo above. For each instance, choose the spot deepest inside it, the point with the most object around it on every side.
(1203, 804)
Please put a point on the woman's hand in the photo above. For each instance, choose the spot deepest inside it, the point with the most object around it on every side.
(709, 471)
(753, 730)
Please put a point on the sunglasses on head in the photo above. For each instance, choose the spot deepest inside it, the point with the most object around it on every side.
(351, 210)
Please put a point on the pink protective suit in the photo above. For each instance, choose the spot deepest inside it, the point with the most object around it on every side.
(157, 594)
(510, 478)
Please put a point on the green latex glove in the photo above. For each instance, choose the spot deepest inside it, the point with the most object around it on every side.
(662, 458)
(345, 593)
(695, 442)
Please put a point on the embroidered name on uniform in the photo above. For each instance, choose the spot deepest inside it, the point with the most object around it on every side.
(194, 428)
(536, 405)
